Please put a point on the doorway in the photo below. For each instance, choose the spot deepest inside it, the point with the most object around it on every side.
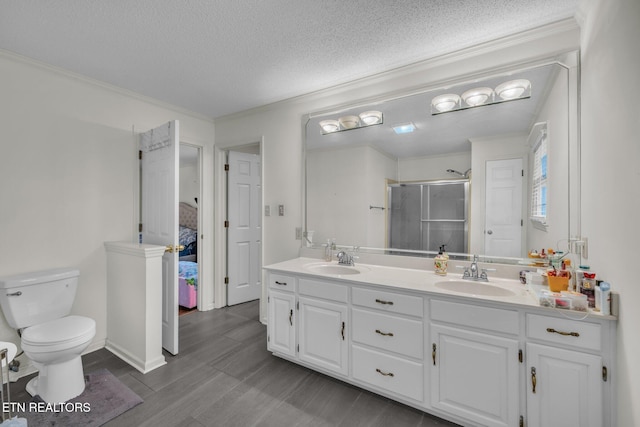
(189, 223)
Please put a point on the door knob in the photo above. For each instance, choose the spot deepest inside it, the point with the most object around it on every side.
(172, 248)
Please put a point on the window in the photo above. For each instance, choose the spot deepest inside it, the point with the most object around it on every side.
(539, 185)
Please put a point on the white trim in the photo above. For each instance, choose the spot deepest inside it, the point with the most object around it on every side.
(125, 92)
(140, 365)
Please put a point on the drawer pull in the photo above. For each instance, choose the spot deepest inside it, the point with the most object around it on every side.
(386, 374)
(379, 301)
(281, 283)
(572, 334)
(342, 331)
(291, 317)
(534, 381)
(386, 334)
(433, 353)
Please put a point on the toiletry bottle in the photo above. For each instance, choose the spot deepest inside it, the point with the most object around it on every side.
(440, 262)
(572, 274)
(589, 288)
(328, 251)
(580, 276)
(603, 298)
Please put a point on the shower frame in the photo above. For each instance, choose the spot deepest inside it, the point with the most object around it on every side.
(423, 222)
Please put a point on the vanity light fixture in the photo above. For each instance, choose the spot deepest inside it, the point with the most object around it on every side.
(513, 89)
(478, 96)
(371, 117)
(349, 122)
(446, 102)
(368, 118)
(507, 91)
(329, 126)
(404, 128)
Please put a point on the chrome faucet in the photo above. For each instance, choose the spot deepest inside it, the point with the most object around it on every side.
(471, 272)
(345, 258)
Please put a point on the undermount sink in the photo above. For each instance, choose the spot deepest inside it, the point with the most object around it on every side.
(475, 288)
(334, 269)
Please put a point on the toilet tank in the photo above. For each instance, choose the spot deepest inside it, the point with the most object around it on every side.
(32, 298)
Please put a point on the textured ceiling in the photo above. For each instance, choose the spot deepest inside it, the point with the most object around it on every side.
(220, 57)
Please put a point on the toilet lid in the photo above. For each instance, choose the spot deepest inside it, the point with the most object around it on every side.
(59, 330)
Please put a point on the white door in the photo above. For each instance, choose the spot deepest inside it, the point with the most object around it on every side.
(564, 387)
(159, 216)
(244, 214)
(323, 334)
(503, 209)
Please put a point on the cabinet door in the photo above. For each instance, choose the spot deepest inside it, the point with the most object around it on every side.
(564, 387)
(282, 321)
(323, 334)
(475, 375)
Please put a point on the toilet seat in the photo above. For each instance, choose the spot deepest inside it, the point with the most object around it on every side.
(59, 334)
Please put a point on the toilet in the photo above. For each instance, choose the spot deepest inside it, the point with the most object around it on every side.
(39, 304)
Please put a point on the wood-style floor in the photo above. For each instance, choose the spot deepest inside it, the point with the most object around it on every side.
(224, 376)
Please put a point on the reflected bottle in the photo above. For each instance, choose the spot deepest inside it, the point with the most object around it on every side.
(328, 251)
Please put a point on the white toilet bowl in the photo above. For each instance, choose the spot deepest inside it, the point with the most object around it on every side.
(55, 348)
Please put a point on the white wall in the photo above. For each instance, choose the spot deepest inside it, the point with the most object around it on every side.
(433, 167)
(555, 113)
(189, 184)
(68, 174)
(342, 185)
(611, 172)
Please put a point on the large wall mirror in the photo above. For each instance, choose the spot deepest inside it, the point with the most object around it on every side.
(482, 166)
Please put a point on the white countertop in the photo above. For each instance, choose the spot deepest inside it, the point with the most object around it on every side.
(423, 281)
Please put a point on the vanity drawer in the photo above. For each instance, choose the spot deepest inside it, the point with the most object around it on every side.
(576, 333)
(282, 282)
(399, 376)
(391, 333)
(388, 301)
(476, 316)
(323, 289)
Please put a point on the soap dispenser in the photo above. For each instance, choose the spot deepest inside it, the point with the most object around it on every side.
(440, 262)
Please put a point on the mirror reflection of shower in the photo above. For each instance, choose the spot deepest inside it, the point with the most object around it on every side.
(460, 174)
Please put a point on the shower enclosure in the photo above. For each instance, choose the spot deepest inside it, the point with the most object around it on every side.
(427, 215)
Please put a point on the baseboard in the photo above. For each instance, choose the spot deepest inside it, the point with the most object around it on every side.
(134, 361)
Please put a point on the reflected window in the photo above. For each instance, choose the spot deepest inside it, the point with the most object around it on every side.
(539, 179)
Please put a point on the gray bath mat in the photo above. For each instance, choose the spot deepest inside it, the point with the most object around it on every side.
(104, 398)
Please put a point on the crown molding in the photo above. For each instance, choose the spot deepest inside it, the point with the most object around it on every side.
(550, 40)
(12, 56)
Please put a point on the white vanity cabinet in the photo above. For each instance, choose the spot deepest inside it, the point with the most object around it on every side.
(565, 373)
(322, 333)
(387, 342)
(282, 318)
(472, 360)
(475, 362)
